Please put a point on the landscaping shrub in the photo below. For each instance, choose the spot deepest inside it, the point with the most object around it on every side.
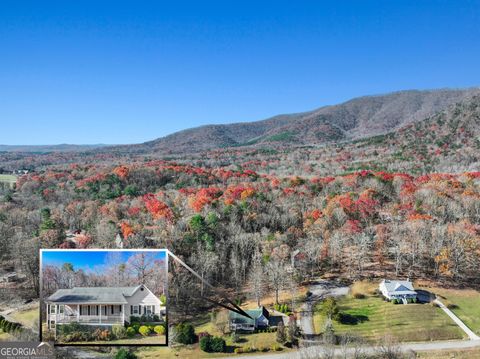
(136, 327)
(144, 330)
(213, 344)
(125, 354)
(131, 332)
(359, 296)
(134, 319)
(159, 329)
(205, 343)
(119, 331)
(185, 333)
(218, 345)
(101, 334)
(70, 332)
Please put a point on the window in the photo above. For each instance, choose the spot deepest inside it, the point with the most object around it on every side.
(149, 309)
(61, 309)
(52, 309)
(135, 309)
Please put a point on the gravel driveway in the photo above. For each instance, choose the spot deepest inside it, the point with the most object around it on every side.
(320, 290)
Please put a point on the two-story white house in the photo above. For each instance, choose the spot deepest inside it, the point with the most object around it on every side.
(101, 305)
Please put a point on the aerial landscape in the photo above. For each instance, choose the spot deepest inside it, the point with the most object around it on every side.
(346, 227)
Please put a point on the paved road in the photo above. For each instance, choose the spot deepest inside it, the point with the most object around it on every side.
(471, 335)
(312, 352)
(319, 290)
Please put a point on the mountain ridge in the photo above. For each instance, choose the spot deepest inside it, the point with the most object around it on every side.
(356, 118)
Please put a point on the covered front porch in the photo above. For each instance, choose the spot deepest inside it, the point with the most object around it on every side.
(90, 314)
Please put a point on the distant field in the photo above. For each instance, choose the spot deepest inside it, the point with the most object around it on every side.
(10, 179)
(372, 318)
(465, 303)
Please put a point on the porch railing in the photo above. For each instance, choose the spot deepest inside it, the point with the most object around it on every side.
(88, 319)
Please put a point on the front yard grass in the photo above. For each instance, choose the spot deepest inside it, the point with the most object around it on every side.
(372, 318)
(465, 303)
(257, 340)
(138, 340)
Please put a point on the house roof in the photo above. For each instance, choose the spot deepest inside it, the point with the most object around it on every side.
(99, 295)
(241, 319)
(399, 287)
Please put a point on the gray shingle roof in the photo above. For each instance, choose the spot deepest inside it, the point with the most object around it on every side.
(100, 295)
(399, 287)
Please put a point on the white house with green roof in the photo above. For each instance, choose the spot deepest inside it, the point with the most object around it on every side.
(259, 319)
(101, 305)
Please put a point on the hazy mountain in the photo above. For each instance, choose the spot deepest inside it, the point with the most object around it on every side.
(49, 148)
(358, 118)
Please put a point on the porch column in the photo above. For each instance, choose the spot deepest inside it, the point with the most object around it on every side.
(123, 313)
(78, 312)
(100, 314)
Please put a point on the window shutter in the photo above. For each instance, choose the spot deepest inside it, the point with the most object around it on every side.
(131, 309)
(112, 309)
(97, 309)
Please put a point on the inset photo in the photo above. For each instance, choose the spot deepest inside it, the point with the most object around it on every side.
(104, 297)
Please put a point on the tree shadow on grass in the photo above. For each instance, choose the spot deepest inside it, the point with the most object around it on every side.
(350, 319)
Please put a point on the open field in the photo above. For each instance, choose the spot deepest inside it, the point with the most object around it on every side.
(8, 178)
(465, 303)
(372, 318)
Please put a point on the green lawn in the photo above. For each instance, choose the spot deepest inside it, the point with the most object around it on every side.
(256, 340)
(466, 304)
(372, 318)
(138, 340)
(28, 318)
(8, 178)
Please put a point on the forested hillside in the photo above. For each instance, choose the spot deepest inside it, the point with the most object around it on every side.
(406, 203)
(226, 223)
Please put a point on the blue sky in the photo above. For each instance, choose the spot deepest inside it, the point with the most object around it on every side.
(131, 71)
(87, 260)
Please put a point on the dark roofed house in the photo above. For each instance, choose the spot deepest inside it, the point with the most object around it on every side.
(101, 305)
(259, 319)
